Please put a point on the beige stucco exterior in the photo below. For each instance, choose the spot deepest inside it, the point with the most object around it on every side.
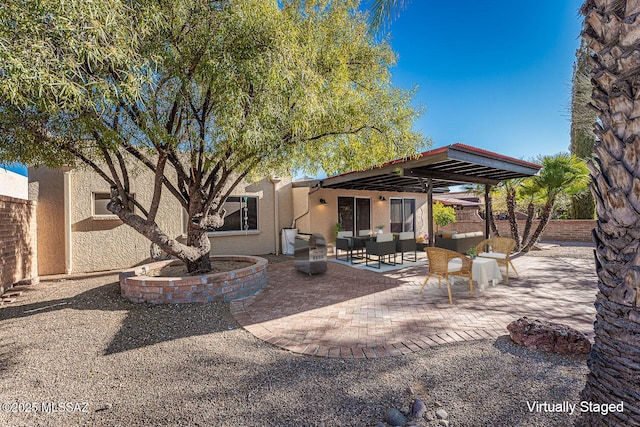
(72, 238)
(322, 218)
(91, 242)
(271, 219)
(103, 242)
(50, 219)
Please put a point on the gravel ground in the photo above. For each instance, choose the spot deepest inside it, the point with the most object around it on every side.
(77, 342)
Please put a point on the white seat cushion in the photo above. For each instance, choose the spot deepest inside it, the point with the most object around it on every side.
(388, 237)
(407, 235)
(343, 234)
(496, 255)
(454, 265)
(364, 233)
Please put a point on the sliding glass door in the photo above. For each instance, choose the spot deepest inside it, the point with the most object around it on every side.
(354, 213)
(403, 215)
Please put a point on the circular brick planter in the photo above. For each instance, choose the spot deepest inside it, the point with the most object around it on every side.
(136, 286)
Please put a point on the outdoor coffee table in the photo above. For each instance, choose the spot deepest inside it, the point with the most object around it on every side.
(483, 271)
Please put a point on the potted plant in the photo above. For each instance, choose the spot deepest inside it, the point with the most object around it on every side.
(443, 215)
(471, 252)
(379, 227)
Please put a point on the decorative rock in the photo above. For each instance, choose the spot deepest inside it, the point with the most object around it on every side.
(395, 417)
(444, 423)
(430, 416)
(547, 336)
(410, 390)
(442, 414)
(405, 410)
(418, 409)
(380, 425)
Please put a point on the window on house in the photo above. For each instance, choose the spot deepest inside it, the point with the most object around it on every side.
(354, 213)
(242, 214)
(100, 201)
(403, 214)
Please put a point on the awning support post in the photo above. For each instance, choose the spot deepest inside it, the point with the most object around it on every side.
(487, 211)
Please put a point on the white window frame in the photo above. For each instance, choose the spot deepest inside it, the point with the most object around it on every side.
(240, 232)
(402, 199)
(103, 216)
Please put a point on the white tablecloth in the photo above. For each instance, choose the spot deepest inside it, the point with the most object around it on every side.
(484, 271)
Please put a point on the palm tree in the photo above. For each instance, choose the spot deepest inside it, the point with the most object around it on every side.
(560, 173)
(384, 11)
(611, 31)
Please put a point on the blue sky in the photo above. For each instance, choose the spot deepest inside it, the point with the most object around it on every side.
(493, 74)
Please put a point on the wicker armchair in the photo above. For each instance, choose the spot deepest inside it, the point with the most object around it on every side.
(439, 267)
(498, 248)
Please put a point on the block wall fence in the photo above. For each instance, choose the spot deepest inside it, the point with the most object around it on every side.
(18, 242)
(570, 230)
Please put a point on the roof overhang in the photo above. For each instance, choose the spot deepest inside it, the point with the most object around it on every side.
(445, 166)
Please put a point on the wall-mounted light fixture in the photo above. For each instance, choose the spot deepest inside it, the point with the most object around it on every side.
(323, 202)
(382, 198)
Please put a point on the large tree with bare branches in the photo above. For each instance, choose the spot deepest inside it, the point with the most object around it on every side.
(202, 93)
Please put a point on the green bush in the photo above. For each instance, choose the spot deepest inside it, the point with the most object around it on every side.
(443, 215)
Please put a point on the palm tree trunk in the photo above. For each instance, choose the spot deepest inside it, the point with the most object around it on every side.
(544, 221)
(611, 31)
(529, 222)
(492, 219)
(513, 222)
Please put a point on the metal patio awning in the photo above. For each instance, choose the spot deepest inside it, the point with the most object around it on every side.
(435, 170)
(445, 166)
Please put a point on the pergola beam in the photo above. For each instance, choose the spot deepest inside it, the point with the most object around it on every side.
(449, 176)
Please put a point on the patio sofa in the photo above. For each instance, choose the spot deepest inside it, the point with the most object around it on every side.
(459, 242)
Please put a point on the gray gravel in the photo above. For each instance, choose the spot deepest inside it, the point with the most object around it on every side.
(78, 341)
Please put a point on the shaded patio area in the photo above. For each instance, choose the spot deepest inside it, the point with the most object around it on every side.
(350, 313)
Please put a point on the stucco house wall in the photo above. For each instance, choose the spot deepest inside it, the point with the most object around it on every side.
(275, 211)
(81, 241)
(50, 219)
(322, 218)
(72, 239)
(104, 242)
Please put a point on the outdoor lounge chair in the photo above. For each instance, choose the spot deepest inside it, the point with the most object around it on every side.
(439, 267)
(406, 242)
(343, 242)
(498, 248)
(382, 247)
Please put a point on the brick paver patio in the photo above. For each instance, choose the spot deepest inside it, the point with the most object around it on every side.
(351, 313)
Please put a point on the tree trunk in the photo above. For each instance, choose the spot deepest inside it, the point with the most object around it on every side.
(492, 220)
(511, 211)
(195, 254)
(544, 220)
(528, 223)
(611, 29)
